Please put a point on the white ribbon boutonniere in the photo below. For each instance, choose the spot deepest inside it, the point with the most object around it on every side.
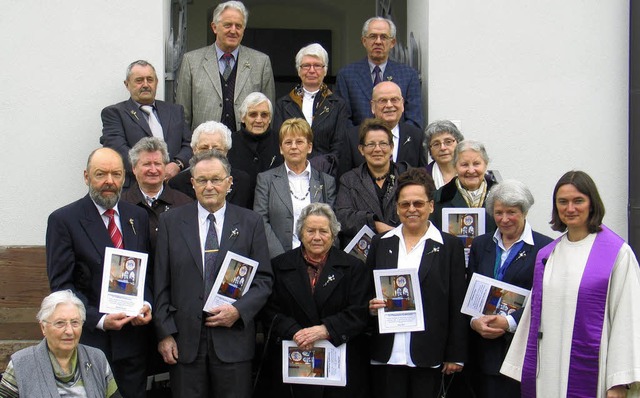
(234, 233)
(389, 78)
(436, 249)
(520, 255)
(135, 114)
(407, 141)
(324, 110)
(330, 278)
(317, 189)
(132, 226)
(247, 65)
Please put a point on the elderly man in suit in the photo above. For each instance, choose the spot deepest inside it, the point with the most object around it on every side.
(387, 105)
(142, 115)
(355, 81)
(77, 235)
(210, 352)
(214, 80)
(215, 135)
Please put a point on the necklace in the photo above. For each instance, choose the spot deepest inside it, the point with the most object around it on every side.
(382, 177)
(300, 198)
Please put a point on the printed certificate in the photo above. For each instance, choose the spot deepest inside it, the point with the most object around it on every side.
(234, 278)
(400, 290)
(488, 296)
(123, 279)
(323, 365)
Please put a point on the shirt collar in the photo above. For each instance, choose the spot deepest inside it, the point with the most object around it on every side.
(220, 53)
(204, 213)
(147, 197)
(382, 66)
(432, 233)
(526, 236)
(305, 172)
(139, 105)
(101, 209)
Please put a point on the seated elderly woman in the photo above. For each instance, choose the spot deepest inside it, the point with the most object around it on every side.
(319, 293)
(312, 100)
(59, 365)
(441, 138)
(255, 146)
(470, 187)
(411, 364)
(282, 192)
(507, 255)
(215, 135)
(366, 193)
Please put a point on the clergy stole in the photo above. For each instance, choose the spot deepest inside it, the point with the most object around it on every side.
(588, 322)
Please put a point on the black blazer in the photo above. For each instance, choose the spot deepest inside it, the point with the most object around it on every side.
(179, 286)
(339, 301)
(410, 150)
(488, 354)
(75, 243)
(442, 285)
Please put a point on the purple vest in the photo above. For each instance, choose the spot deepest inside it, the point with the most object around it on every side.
(588, 322)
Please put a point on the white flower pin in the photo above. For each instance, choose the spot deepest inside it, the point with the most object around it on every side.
(234, 233)
(330, 278)
(135, 114)
(436, 249)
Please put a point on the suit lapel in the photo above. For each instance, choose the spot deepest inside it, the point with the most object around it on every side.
(328, 280)
(281, 186)
(129, 231)
(190, 232)
(316, 187)
(486, 267)
(517, 265)
(430, 255)
(296, 281)
(230, 233)
(364, 79)
(137, 115)
(94, 227)
(242, 72)
(368, 191)
(211, 68)
(164, 115)
(403, 144)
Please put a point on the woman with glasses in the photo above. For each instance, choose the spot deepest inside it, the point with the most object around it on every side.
(413, 364)
(255, 148)
(312, 100)
(282, 192)
(441, 138)
(471, 185)
(366, 193)
(59, 366)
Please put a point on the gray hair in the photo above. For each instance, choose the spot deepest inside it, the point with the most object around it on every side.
(148, 144)
(318, 209)
(313, 50)
(510, 193)
(208, 155)
(470, 145)
(49, 304)
(142, 63)
(252, 100)
(236, 5)
(392, 26)
(211, 127)
(441, 127)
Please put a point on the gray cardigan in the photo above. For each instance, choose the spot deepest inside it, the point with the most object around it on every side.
(35, 378)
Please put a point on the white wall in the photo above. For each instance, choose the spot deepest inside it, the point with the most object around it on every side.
(543, 84)
(62, 62)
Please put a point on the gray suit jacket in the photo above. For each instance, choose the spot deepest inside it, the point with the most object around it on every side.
(273, 202)
(199, 89)
(179, 282)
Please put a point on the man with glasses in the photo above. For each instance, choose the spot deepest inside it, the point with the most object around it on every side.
(355, 81)
(77, 236)
(387, 105)
(209, 353)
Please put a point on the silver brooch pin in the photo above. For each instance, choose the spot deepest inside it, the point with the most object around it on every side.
(135, 114)
(132, 226)
(436, 249)
(234, 233)
(330, 278)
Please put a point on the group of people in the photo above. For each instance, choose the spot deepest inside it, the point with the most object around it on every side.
(288, 185)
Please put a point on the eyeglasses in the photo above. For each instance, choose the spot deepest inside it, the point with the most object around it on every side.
(384, 101)
(202, 148)
(290, 143)
(417, 204)
(375, 37)
(307, 67)
(372, 145)
(60, 324)
(447, 143)
(255, 114)
(203, 182)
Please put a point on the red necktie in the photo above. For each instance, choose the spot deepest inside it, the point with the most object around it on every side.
(114, 232)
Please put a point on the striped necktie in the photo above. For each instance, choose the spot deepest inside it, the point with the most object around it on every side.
(114, 232)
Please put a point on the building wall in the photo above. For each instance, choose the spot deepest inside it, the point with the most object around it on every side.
(542, 84)
(62, 62)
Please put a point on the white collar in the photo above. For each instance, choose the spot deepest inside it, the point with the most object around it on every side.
(431, 233)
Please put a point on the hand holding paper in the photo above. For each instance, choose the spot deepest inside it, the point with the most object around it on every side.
(305, 338)
(223, 315)
(375, 305)
(116, 321)
(143, 318)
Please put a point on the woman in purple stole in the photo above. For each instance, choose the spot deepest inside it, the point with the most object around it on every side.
(579, 335)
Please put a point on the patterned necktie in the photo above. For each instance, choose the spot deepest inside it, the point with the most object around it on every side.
(114, 232)
(377, 75)
(154, 123)
(227, 58)
(210, 253)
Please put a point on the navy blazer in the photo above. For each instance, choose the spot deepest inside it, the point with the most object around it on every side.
(410, 149)
(124, 124)
(442, 285)
(489, 354)
(355, 84)
(75, 243)
(179, 282)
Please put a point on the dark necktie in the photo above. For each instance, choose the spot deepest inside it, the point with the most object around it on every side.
(377, 75)
(114, 232)
(227, 58)
(210, 253)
